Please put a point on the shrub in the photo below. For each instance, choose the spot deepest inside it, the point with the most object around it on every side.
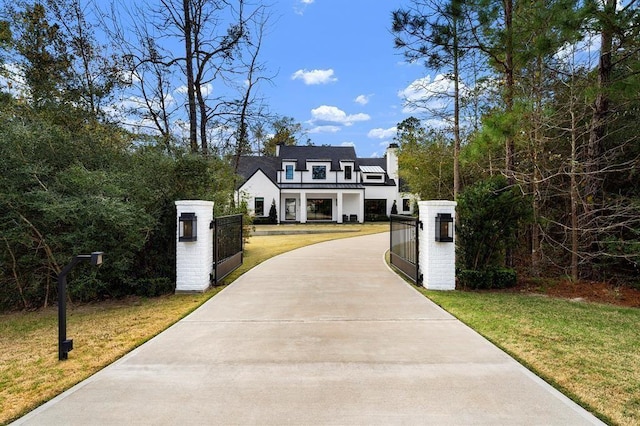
(504, 278)
(273, 213)
(472, 280)
(486, 279)
(490, 213)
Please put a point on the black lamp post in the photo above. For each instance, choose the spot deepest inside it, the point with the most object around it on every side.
(65, 345)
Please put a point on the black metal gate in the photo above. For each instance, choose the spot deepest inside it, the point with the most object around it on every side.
(227, 246)
(404, 245)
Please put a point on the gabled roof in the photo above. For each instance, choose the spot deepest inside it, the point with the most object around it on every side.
(249, 165)
(302, 154)
(270, 166)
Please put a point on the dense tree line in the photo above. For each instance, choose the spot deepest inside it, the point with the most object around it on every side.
(547, 96)
(81, 171)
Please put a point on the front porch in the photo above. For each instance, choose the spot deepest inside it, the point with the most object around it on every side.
(322, 206)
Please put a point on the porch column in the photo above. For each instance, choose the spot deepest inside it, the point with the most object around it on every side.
(303, 207)
(339, 197)
(361, 208)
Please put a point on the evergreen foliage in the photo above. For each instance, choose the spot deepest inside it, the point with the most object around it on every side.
(490, 214)
(273, 213)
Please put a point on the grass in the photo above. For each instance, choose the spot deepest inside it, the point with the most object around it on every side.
(30, 373)
(588, 351)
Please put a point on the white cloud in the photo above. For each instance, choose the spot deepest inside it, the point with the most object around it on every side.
(348, 144)
(314, 76)
(331, 115)
(325, 129)
(585, 52)
(362, 99)
(206, 89)
(301, 6)
(425, 94)
(382, 133)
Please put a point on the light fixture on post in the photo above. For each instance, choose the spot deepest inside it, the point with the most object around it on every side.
(188, 227)
(444, 228)
(66, 345)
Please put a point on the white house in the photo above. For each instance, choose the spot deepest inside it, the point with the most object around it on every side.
(322, 184)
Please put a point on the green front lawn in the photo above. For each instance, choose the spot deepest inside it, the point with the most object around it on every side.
(590, 352)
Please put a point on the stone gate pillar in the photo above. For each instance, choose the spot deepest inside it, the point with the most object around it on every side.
(437, 257)
(194, 245)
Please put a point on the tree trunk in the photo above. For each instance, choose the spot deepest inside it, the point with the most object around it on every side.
(574, 199)
(509, 90)
(188, 46)
(456, 117)
(600, 108)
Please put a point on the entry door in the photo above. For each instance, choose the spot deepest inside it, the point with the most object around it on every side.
(290, 209)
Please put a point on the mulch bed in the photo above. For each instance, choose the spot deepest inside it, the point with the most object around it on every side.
(598, 292)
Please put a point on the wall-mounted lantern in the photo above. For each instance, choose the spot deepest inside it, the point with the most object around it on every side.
(188, 227)
(444, 228)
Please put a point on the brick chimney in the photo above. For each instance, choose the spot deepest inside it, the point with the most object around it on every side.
(392, 161)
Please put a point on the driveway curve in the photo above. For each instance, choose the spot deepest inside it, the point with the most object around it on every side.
(323, 335)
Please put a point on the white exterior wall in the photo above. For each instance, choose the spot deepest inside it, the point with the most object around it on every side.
(340, 174)
(437, 259)
(194, 259)
(389, 193)
(307, 175)
(411, 197)
(282, 174)
(392, 162)
(345, 201)
(260, 186)
(352, 204)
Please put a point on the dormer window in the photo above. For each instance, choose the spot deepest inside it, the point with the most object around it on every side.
(319, 172)
(288, 172)
(347, 172)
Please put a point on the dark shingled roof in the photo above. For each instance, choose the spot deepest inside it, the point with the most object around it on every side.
(302, 154)
(249, 165)
(380, 162)
(270, 166)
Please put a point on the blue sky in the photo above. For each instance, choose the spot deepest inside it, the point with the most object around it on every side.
(337, 71)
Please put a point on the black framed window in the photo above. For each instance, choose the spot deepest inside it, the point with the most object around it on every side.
(319, 172)
(406, 204)
(289, 172)
(320, 209)
(375, 209)
(347, 172)
(258, 207)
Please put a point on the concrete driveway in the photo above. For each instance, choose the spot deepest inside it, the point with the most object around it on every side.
(326, 334)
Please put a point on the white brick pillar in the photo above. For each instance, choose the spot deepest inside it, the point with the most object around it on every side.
(437, 259)
(194, 256)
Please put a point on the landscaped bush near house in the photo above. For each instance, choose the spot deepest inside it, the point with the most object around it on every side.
(273, 213)
(261, 220)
